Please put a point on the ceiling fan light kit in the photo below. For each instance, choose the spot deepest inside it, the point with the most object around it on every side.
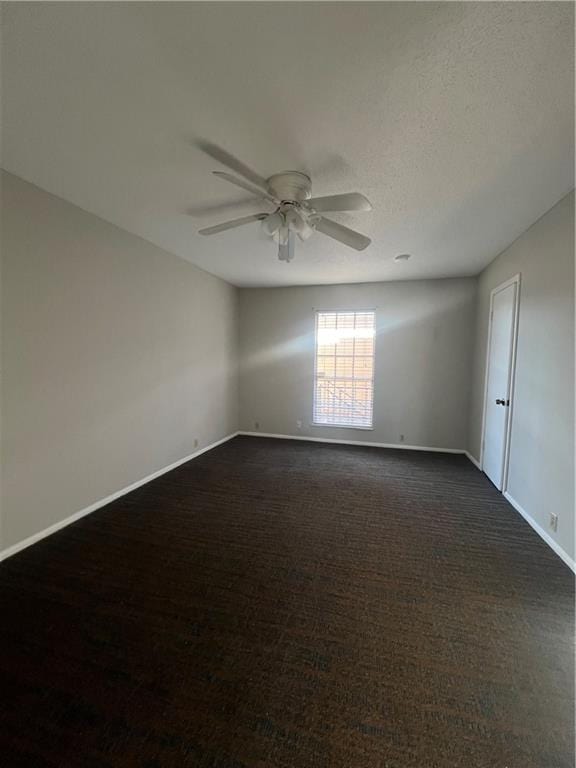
(296, 212)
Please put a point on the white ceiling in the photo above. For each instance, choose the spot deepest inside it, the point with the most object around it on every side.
(455, 119)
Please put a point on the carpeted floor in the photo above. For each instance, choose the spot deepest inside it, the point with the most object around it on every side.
(291, 605)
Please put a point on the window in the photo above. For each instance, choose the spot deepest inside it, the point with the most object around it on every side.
(344, 371)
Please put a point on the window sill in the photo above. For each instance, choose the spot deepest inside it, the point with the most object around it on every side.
(342, 426)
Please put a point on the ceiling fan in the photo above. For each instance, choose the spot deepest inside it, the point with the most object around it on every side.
(295, 212)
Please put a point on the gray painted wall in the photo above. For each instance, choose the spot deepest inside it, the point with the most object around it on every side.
(116, 356)
(541, 475)
(423, 359)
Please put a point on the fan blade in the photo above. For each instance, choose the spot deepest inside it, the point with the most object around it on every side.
(231, 224)
(219, 209)
(286, 250)
(244, 185)
(221, 156)
(343, 234)
(353, 201)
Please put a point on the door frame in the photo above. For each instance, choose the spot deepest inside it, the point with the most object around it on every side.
(514, 280)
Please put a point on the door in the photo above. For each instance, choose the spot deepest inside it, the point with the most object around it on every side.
(499, 381)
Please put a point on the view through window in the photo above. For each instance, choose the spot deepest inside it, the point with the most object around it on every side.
(344, 370)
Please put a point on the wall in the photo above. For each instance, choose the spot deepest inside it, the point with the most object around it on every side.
(423, 359)
(116, 357)
(541, 474)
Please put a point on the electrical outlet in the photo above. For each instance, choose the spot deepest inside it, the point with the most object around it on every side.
(196, 442)
(299, 423)
(256, 425)
(553, 521)
(401, 438)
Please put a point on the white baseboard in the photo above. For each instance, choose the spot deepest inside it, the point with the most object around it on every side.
(541, 532)
(367, 443)
(102, 502)
(473, 460)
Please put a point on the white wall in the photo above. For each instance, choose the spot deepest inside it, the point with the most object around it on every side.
(116, 357)
(541, 475)
(423, 359)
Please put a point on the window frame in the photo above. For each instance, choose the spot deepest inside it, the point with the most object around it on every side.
(313, 423)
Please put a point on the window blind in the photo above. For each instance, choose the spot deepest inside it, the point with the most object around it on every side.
(344, 369)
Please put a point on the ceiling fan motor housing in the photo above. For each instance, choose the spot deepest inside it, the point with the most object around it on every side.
(290, 186)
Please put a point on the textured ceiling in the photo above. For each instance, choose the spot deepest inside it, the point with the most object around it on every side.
(455, 119)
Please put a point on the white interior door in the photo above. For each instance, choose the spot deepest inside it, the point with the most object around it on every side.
(499, 381)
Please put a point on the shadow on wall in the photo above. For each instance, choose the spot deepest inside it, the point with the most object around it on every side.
(423, 378)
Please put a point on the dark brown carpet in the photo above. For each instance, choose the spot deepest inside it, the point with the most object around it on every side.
(296, 605)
